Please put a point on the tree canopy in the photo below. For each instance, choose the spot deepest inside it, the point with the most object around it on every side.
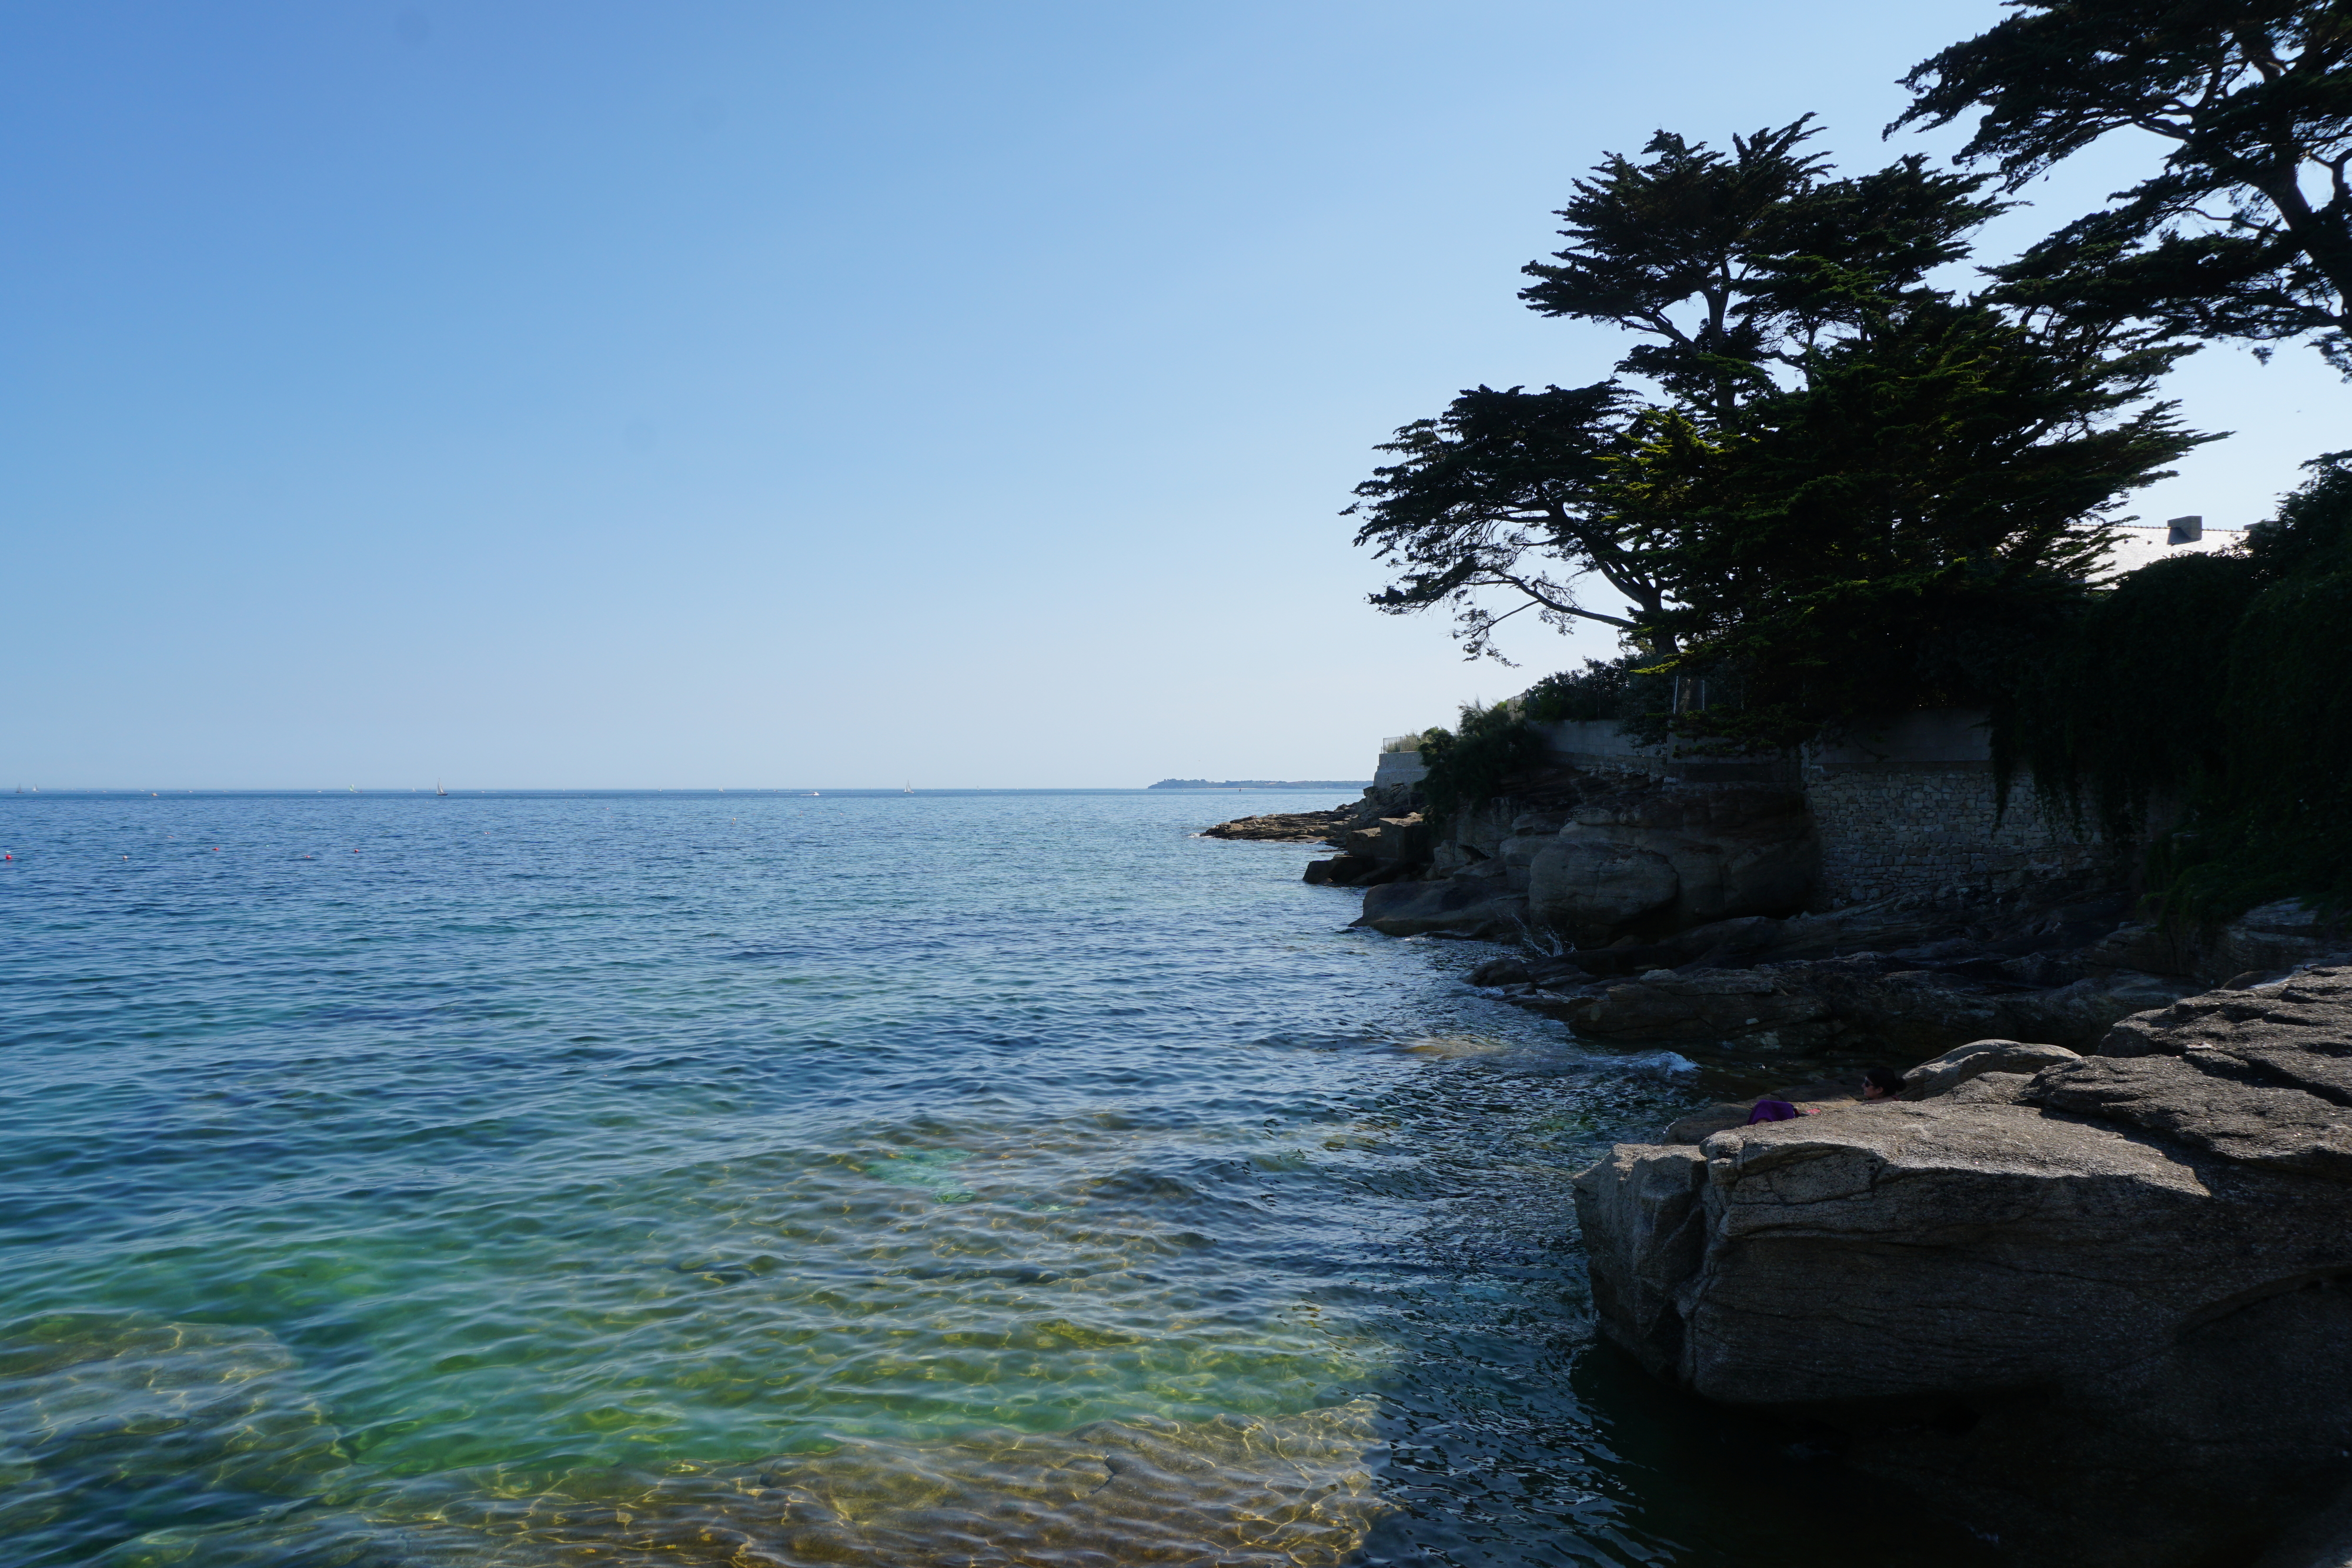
(1732, 263)
(1827, 481)
(1509, 489)
(1839, 458)
(1898, 529)
(2246, 230)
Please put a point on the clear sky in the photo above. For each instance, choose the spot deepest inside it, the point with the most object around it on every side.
(566, 392)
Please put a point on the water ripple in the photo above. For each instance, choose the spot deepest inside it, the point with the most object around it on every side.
(621, 1179)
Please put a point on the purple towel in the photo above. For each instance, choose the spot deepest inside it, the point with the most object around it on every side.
(1770, 1110)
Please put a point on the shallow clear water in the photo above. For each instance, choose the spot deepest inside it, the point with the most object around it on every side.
(1006, 1178)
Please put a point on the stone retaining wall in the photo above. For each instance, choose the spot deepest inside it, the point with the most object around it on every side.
(1928, 827)
(1905, 810)
(1910, 809)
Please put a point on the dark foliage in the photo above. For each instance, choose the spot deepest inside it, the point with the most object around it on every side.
(1730, 264)
(1605, 689)
(2255, 98)
(2214, 689)
(2126, 701)
(1476, 761)
(1505, 489)
(1895, 532)
(1648, 702)
(1736, 269)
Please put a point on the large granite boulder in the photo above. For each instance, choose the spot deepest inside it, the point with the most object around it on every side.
(1458, 906)
(2261, 943)
(2099, 1311)
(1964, 1062)
(1674, 856)
(1594, 887)
(1396, 839)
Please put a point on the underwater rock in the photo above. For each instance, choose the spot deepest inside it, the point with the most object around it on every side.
(161, 1421)
(1287, 1492)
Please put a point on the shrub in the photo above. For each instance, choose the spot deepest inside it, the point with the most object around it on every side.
(2217, 682)
(1471, 765)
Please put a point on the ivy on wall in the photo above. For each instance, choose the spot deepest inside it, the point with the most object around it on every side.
(2223, 686)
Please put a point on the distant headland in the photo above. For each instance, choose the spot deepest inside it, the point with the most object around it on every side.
(1261, 784)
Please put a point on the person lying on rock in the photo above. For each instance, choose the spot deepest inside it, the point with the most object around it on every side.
(1881, 1084)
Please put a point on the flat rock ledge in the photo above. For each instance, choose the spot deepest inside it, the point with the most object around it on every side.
(2098, 1305)
(1287, 827)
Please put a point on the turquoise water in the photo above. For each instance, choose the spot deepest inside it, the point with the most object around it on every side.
(930, 1179)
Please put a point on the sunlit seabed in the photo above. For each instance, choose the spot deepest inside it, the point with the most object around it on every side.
(921, 1180)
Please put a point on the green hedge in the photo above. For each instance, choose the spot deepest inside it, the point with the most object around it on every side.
(2222, 684)
(1470, 765)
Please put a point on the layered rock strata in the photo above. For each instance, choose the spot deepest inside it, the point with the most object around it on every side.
(1287, 827)
(1597, 857)
(2100, 1306)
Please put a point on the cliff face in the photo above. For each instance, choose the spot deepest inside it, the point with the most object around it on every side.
(1608, 836)
(1591, 856)
(2098, 1305)
(1691, 912)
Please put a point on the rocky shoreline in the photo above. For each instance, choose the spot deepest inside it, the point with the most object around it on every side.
(2096, 1304)
(1285, 827)
(1659, 915)
(2086, 1285)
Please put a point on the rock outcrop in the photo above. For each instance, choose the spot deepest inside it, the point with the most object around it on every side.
(2099, 1306)
(1458, 906)
(1963, 1064)
(1908, 1003)
(1591, 856)
(1287, 826)
(1896, 1010)
(1672, 856)
(2261, 943)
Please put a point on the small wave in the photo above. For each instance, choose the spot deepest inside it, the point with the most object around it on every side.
(1666, 1064)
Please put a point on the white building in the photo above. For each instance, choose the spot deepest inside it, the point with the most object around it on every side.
(2145, 542)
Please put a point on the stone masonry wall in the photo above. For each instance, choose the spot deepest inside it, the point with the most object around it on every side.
(1889, 827)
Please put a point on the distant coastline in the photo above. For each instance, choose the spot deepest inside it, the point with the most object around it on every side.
(1261, 784)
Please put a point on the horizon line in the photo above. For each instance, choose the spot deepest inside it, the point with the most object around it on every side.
(183, 792)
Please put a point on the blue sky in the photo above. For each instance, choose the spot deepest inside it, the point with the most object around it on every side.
(775, 395)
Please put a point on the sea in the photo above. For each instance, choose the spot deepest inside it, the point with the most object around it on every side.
(390, 1180)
